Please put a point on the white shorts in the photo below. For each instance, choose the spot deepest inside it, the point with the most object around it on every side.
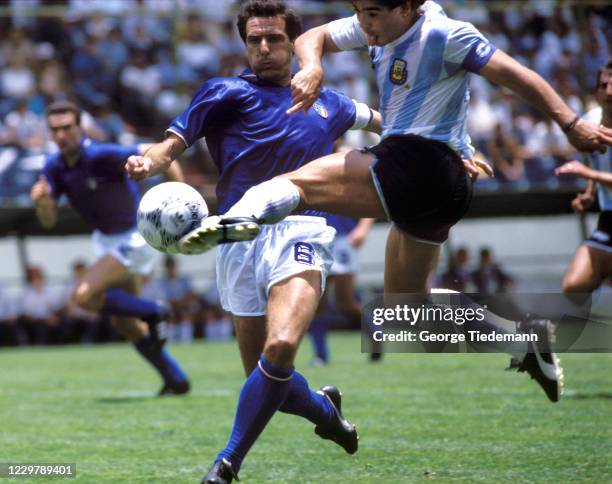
(246, 271)
(129, 248)
(345, 257)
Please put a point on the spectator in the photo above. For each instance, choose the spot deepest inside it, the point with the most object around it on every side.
(8, 329)
(38, 317)
(457, 277)
(504, 150)
(489, 278)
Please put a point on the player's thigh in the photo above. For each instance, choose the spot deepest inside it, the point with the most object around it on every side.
(131, 329)
(340, 183)
(409, 263)
(251, 337)
(292, 304)
(106, 272)
(588, 269)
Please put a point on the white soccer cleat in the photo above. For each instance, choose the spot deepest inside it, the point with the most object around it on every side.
(217, 230)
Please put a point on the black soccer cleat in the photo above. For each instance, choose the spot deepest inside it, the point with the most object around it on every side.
(217, 230)
(158, 326)
(174, 388)
(220, 473)
(340, 431)
(540, 362)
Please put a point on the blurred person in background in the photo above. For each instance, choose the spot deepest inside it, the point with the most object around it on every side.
(505, 152)
(8, 328)
(177, 290)
(92, 177)
(80, 325)
(38, 310)
(489, 278)
(457, 277)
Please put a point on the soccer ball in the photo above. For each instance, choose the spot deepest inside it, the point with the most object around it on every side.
(167, 212)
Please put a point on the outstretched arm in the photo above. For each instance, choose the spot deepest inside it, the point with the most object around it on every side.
(578, 169)
(156, 159)
(309, 50)
(505, 71)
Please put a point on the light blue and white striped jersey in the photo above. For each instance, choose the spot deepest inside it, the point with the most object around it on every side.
(600, 162)
(423, 75)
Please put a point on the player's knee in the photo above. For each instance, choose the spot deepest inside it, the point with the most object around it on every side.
(574, 284)
(82, 296)
(281, 351)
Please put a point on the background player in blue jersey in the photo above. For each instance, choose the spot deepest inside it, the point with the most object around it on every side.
(350, 235)
(272, 286)
(91, 175)
(592, 264)
(418, 175)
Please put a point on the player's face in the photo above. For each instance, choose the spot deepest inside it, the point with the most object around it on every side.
(269, 49)
(381, 24)
(604, 91)
(65, 132)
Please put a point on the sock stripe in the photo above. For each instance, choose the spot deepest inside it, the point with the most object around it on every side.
(271, 376)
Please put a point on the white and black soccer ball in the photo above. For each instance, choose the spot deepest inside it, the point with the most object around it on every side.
(167, 212)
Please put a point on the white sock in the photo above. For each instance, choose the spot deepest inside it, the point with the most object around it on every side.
(270, 201)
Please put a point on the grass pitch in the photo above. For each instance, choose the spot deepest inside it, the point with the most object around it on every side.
(421, 418)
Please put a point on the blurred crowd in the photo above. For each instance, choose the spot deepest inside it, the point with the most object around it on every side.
(485, 277)
(134, 65)
(43, 314)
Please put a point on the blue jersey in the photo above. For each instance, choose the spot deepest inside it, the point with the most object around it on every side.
(249, 135)
(97, 185)
(423, 76)
(343, 225)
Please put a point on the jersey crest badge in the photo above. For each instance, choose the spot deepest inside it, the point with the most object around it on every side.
(320, 109)
(398, 73)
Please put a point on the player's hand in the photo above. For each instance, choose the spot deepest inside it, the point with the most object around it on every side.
(305, 88)
(582, 202)
(138, 167)
(589, 137)
(574, 168)
(41, 190)
(476, 167)
(356, 237)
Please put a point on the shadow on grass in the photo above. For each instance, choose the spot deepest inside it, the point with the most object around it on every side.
(133, 399)
(589, 396)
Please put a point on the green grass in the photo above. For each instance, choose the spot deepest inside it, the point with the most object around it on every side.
(421, 418)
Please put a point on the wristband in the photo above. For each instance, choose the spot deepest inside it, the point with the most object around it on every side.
(566, 128)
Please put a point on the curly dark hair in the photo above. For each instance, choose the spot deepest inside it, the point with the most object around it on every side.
(396, 3)
(269, 8)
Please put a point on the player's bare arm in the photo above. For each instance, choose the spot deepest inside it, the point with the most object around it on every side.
(358, 235)
(46, 207)
(309, 49)
(581, 170)
(583, 135)
(156, 159)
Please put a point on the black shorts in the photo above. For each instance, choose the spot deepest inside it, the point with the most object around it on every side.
(423, 185)
(602, 237)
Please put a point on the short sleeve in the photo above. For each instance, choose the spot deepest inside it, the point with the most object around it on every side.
(115, 156)
(345, 113)
(468, 48)
(347, 33)
(204, 111)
